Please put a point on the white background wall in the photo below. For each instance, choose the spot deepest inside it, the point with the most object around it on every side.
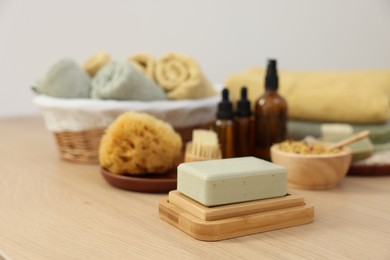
(224, 36)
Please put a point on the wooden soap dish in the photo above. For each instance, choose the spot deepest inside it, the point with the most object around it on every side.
(234, 220)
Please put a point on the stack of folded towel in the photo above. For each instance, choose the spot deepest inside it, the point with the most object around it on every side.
(379, 139)
(329, 104)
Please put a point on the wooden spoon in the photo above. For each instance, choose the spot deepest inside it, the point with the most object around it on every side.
(349, 140)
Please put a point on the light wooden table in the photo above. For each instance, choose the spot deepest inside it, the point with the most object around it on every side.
(52, 209)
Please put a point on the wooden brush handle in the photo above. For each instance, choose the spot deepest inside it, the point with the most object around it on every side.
(350, 140)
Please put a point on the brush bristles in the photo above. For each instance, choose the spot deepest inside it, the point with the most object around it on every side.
(204, 146)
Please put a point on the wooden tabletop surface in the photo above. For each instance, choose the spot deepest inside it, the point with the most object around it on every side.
(53, 209)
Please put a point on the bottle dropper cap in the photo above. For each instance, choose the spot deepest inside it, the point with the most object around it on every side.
(225, 107)
(271, 78)
(243, 105)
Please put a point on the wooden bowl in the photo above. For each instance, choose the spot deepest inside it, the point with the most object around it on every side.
(316, 172)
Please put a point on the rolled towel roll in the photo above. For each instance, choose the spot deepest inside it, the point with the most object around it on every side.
(120, 80)
(64, 79)
(93, 64)
(145, 63)
(182, 78)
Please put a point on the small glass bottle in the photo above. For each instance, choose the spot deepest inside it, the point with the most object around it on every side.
(224, 125)
(244, 125)
(270, 114)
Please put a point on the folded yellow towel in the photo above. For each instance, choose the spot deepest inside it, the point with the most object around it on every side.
(93, 64)
(145, 63)
(182, 78)
(337, 96)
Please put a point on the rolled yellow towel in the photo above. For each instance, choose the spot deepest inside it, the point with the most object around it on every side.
(144, 63)
(93, 64)
(182, 78)
(337, 96)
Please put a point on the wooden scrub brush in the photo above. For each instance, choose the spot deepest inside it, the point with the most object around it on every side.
(204, 146)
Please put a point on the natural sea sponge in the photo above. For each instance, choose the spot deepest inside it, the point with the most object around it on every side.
(138, 143)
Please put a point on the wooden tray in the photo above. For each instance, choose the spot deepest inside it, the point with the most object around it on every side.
(233, 210)
(225, 226)
(152, 183)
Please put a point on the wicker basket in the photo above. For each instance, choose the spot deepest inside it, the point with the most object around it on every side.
(83, 146)
(78, 125)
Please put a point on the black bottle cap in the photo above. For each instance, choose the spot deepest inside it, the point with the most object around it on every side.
(243, 105)
(225, 107)
(271, 78)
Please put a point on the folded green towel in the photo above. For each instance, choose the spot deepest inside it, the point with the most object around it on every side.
(120, 80)
(379, 133)
(382, 147)
(64, 79)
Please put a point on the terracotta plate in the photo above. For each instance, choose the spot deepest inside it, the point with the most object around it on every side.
(367, 170)
(376, 165)
(152, 183)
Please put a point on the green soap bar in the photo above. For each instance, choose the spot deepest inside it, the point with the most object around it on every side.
(226, 181)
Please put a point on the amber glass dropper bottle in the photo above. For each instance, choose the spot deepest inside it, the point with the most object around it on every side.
(270, 114)
(224, 125)
(244, 127)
